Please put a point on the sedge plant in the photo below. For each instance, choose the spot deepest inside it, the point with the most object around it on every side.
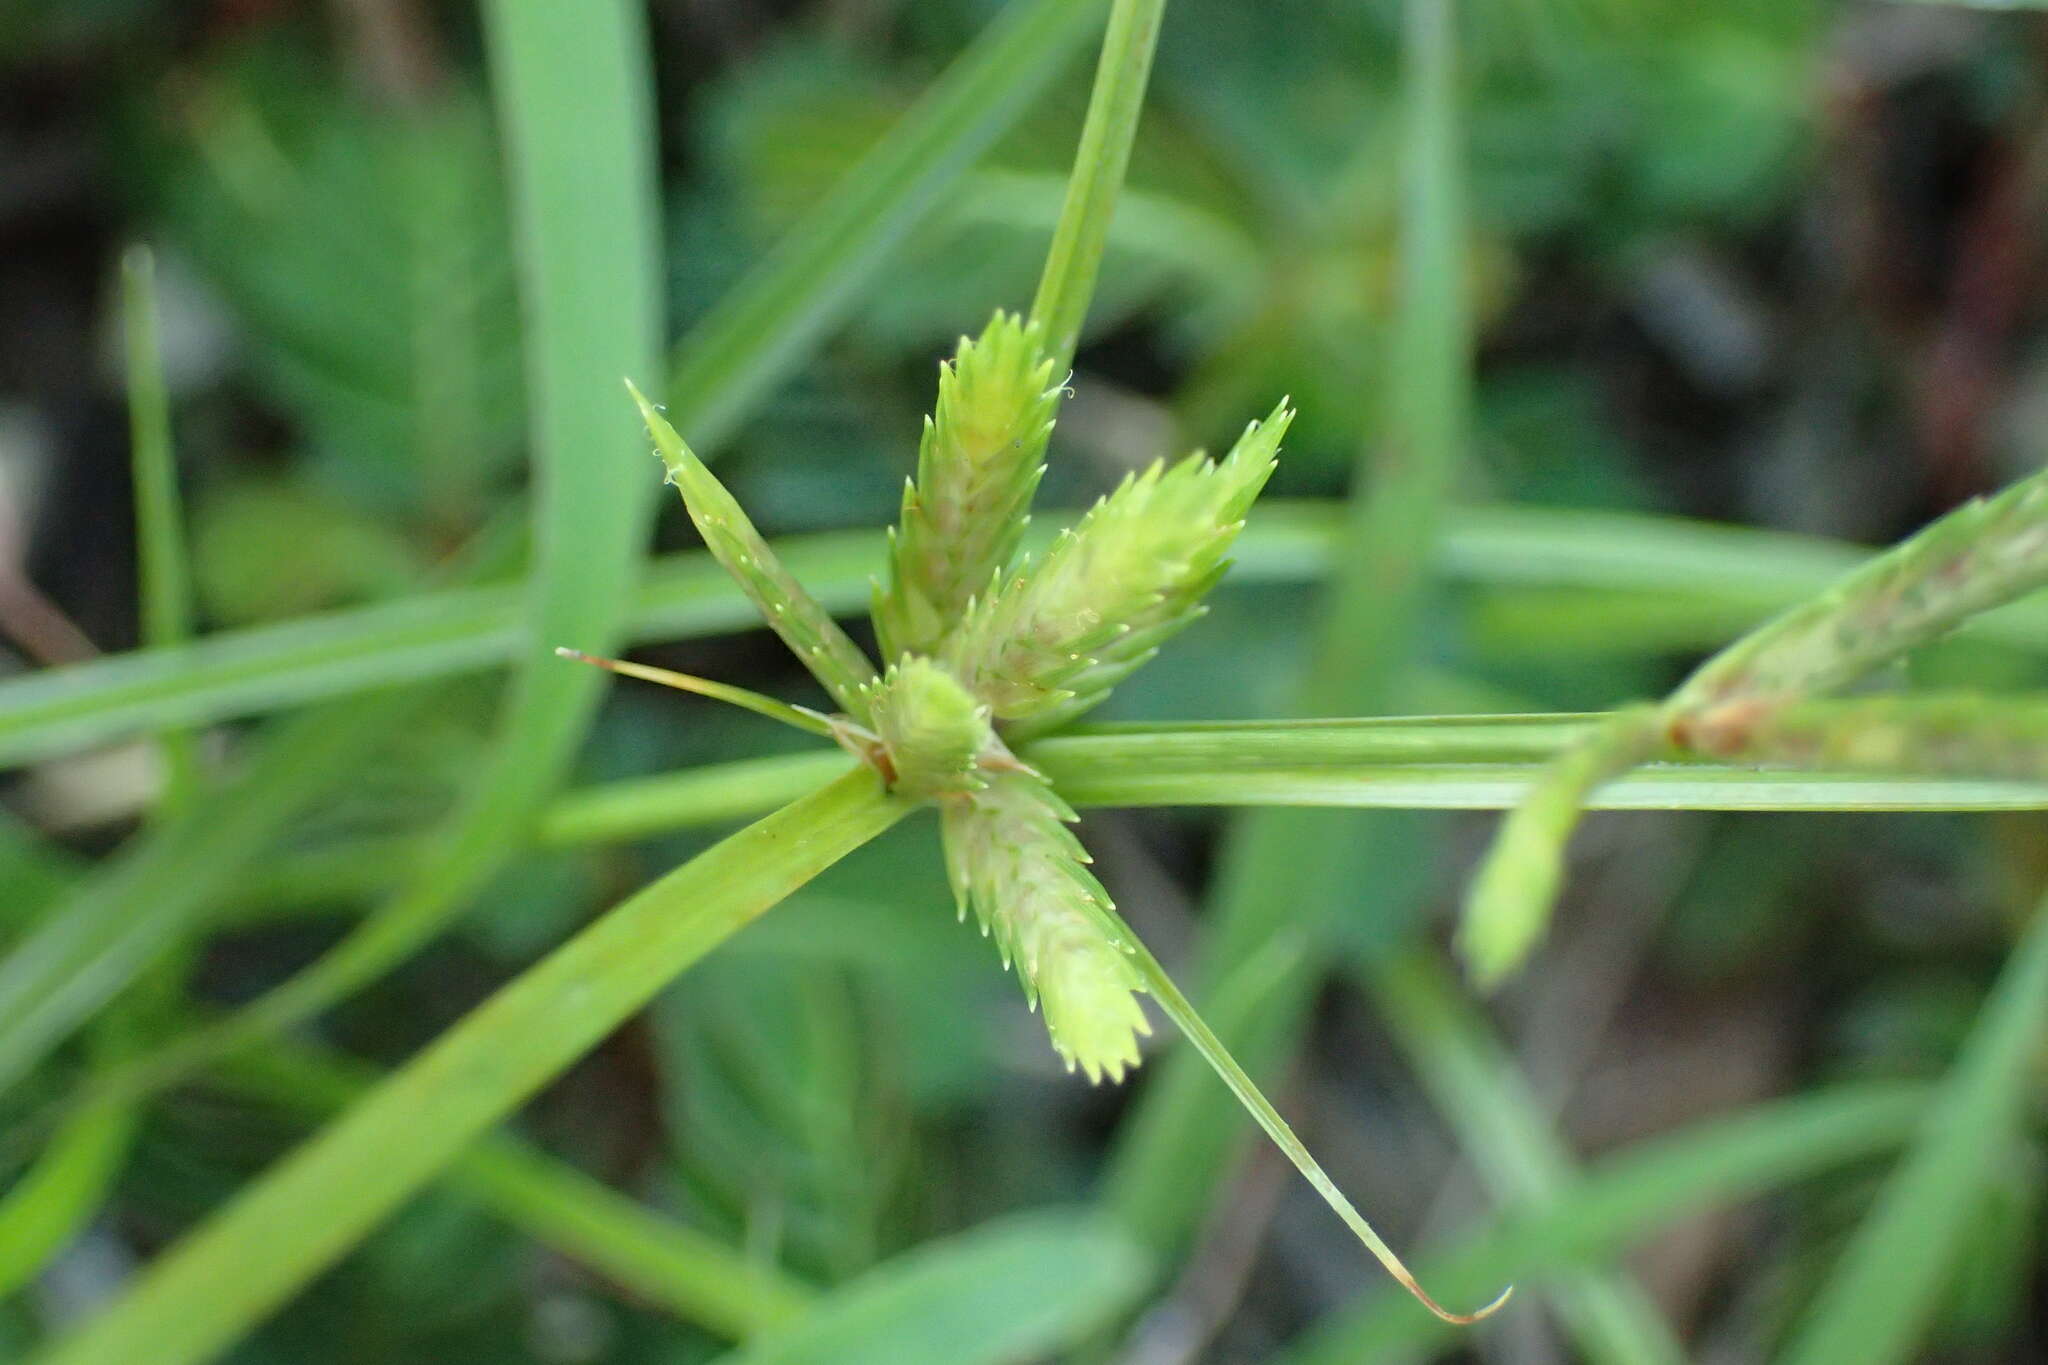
(986, 648)
(983, 649)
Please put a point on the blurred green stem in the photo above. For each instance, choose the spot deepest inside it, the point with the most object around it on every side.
(1619, 584)
(214, 1286)
(1876, 1306)
(1075, 256)
(692, 1275)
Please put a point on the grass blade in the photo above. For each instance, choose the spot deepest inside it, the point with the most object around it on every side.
(572, 87)
(156, 889)
(1877, 1304)
(1630, 1194)
(1440, 763)
(693, 1276)
(756, 335)
(1702, 579)
(1508, 905)
(1015, 1289)
(792, 613)
(219, 1282)
(1476, 1085)
(50, 1203)
(165, 572)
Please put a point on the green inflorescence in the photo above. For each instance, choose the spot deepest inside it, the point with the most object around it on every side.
(984, 648)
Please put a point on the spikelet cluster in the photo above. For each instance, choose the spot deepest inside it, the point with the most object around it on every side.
(935, 735)
(982, 651)
(1011, 857)
(1051, 639)
(978, 463)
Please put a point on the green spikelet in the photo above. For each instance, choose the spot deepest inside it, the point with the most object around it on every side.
(1509, 904)
(1052, 639)
(977, 465)
(816, 639)
(1011, 856)
(935, 734)
(1984, 553)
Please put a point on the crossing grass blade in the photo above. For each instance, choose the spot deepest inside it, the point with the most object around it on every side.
(1075, 256)
(210, 1289)
(664, 1262)
(1628, 1195)
(152, 892)
(53, 1200)
(755, 336)
(1876, 1306)
(690, 1274)
(1019, 1288)
(1691, 580)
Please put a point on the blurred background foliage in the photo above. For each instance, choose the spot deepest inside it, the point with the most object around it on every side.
(1769, 261)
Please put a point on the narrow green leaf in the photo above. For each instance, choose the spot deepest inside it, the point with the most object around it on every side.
(1438, 763)
(796, 717)
(215, 1285)
(1019, 1288)
(48, 1205)
(736, 355)
(572, 87)
(790, 611)
(1628, 1196)
(694, 796)
(157, 888)
(164, 571)
(667, 1263)
(1217, 1055)
(1876, 1306)
(1734, 574)
(692, 1275)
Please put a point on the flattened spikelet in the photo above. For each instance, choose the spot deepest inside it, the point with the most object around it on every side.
(1012, 858)
(1050, 640)
(978, 464)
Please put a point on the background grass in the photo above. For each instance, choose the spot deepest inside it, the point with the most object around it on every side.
(1614, 330)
